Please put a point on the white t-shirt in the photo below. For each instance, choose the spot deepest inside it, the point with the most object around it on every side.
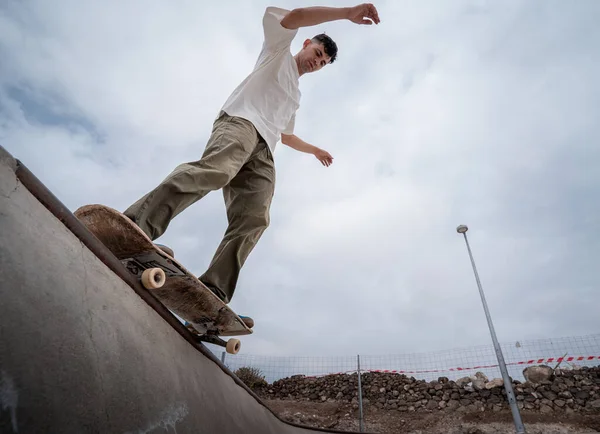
(270, 96)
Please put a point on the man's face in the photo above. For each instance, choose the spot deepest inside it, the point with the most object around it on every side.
(312, 57)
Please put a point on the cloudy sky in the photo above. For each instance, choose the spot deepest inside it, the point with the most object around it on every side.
(466, 112)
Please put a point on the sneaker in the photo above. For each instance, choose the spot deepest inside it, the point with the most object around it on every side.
(166, 249)
(247, 320)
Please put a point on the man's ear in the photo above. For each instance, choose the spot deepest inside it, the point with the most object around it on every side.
(306, 43)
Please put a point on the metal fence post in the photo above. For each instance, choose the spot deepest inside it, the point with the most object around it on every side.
(360, 403)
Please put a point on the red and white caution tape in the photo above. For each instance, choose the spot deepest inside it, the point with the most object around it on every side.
(527, 362)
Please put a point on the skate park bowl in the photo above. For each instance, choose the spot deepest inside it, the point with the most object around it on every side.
(85, 348)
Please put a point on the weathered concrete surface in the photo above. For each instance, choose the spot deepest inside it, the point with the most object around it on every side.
(81, 352)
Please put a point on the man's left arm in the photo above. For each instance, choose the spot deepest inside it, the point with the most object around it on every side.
(298, 144)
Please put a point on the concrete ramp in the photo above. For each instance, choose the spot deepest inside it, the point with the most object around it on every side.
(85, 349)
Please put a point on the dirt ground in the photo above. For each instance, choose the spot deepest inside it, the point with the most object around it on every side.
(343, 417)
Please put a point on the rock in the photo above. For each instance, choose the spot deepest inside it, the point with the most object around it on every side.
(432, 405)
(537, 374)
(485, 393)
(557, 388)
(480, 376)
(453, 404)
(462, 382)
(546, 402)
(545, 409)
(478, 384)
(549, 395)
(496, 382)
(593, 404)
(495, 399)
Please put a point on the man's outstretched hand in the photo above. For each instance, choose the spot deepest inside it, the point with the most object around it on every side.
(364, 14)
(324, 157)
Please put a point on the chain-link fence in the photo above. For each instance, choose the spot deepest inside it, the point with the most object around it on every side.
(453, 364)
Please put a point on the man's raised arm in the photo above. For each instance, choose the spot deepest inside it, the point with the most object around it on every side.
(311, 16)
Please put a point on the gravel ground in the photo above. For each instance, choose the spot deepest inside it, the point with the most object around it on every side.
(344, 417)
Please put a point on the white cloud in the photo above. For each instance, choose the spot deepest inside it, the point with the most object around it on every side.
(470, 112)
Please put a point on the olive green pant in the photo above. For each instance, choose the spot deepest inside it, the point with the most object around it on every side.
(237, 160)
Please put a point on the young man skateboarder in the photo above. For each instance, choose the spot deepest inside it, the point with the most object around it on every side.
(238, 157)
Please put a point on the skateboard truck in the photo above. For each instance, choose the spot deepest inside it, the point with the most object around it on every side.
(232, 346)
(153, 270)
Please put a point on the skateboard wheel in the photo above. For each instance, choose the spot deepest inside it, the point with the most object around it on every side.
(233, 346)
(153, 278)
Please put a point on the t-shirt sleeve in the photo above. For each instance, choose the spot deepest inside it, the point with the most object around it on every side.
(289, 129)
(276, 36)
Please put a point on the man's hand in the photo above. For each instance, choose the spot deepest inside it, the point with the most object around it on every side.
(324, 157)
(359, 14)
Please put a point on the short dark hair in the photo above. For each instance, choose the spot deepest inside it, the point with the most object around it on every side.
(330, 46)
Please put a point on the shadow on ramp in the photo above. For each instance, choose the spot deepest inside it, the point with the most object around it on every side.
(82, 352)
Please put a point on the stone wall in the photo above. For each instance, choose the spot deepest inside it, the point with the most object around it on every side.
(545, 390)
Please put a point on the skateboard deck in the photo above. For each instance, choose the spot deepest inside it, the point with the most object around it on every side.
(178, 289)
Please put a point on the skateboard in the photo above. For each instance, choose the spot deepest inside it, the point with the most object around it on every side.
(206, 315)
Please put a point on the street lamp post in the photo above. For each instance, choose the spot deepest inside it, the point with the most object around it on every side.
(462, 229)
